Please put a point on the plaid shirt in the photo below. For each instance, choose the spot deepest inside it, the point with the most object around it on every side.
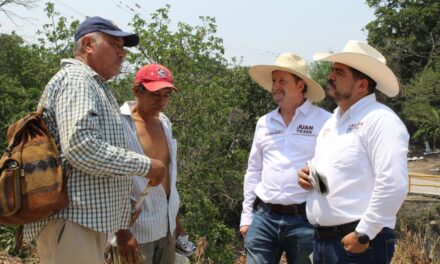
(83, 116)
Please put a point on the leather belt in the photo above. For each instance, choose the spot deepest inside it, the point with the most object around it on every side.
(291, 209)
(339, 231)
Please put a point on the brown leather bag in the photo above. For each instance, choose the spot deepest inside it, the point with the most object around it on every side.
(32, 183)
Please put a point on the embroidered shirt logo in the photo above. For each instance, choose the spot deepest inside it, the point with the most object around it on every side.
(326, 131)
(274, 132)
(354, 127)
(304, 129)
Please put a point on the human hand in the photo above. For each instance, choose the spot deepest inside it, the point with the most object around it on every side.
(134, 214)
(352, 245)
(156, 172)
(128, 247)
(303, 178)
(180, 230)
(244, 229)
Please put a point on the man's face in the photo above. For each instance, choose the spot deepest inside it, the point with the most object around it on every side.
(341, 84)
(152, 103)
(286, 91)
(107, 55)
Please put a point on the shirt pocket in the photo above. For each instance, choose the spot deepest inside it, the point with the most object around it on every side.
(348, 151)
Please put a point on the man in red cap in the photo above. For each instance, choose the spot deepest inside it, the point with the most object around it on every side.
(148, 131)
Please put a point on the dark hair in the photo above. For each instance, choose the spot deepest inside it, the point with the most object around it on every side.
(297, 79)
(141, 88)
(357, 75)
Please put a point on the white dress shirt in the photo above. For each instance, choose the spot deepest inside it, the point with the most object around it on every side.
(277, 152)
(158, 212)
(363, 155)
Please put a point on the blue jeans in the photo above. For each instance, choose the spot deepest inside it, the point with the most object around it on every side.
(271, 234)
(331, 251)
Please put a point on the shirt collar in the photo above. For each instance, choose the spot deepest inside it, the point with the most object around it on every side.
(126, 108)
(304, 109)
(356, 107)
(67, 62)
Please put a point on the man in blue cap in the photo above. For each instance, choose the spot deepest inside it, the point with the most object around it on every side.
(83, 117)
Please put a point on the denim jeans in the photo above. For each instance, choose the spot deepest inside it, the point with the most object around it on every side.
(271, 234)
(331, 251)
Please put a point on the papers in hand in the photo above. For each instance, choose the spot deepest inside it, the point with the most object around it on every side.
(318, 181)
(184, 246)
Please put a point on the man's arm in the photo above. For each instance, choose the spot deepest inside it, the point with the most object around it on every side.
(77, 113)
(251, 179)
(387, 147)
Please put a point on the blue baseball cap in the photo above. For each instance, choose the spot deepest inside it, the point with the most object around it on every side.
(96, 23)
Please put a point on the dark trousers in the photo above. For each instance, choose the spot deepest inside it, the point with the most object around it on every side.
(331, 250)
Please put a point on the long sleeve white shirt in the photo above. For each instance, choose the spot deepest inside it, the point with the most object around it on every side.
(277, 152)
(363, 155)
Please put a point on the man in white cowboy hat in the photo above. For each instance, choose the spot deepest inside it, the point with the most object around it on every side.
(273, 220)
(361, 151)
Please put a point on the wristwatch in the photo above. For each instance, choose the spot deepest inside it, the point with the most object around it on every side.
(361, 237)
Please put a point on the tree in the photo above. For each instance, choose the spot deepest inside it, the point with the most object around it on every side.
(28, 4)
(422, 104)
(26, 68)
(319, 71)
(407, 32)
(23, 77)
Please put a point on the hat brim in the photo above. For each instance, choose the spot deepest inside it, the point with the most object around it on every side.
(262, 74)
(386, 80)
(130, 39)
(155, 86)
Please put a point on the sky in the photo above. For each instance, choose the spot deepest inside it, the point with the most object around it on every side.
(255, 31)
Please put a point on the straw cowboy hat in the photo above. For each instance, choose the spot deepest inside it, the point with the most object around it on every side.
(367, 60)
(292, 63)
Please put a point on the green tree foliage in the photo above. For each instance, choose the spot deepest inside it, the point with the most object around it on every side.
(422, 104)
(22, 77)
(26, 68)
(319, 71)
(407, 32)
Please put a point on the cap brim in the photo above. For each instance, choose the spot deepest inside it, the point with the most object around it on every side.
(130, 39)
(262, 74)
(384, 77)
(155, 86)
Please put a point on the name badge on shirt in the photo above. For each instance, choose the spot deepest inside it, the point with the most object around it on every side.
(354, 127)
(304, 129)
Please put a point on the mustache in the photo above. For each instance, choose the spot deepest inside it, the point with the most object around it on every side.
(331, 82)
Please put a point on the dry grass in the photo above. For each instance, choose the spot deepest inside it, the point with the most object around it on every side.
(416, 248)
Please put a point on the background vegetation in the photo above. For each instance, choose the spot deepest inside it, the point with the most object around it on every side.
(215, 112)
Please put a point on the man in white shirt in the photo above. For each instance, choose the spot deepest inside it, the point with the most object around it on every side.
(273, 220)
(362, 154)
(148, 132)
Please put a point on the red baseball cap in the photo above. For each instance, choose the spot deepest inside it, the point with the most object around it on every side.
(155, 77)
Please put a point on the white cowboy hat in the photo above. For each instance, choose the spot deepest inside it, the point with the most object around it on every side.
(368, 60)
(292, 63)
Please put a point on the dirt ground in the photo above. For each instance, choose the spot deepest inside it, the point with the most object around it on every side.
(430, 164)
